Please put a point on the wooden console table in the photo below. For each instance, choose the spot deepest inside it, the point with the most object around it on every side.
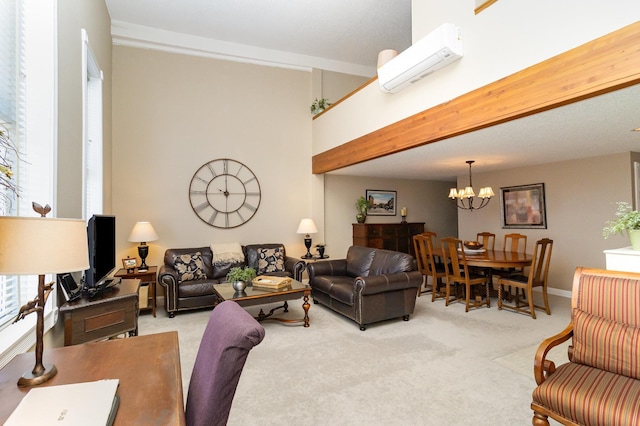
(148, 396)
(147, 278)
(109, 314)
(389, 236)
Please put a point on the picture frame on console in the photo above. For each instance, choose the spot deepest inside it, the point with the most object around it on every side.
(523, 207)
(381, 202)
(130, 263)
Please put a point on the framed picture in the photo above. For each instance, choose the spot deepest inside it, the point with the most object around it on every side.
(129, 263)
(523, 206)
(381, 203)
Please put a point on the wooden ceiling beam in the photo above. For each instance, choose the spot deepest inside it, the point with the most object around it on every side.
(600, 66)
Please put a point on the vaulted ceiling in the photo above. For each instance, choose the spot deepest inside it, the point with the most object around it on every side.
(346, 36)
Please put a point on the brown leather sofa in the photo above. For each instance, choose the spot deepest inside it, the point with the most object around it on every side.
(197, 291)
(370, 285)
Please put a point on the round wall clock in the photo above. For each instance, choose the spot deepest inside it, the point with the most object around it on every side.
(224, 193)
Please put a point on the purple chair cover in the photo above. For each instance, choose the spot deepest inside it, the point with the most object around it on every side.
(229, 336)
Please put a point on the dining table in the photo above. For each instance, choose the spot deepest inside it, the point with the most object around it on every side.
(497, 258)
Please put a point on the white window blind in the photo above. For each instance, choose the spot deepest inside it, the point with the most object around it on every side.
(12, 120)
(92, 131)
(27, 109)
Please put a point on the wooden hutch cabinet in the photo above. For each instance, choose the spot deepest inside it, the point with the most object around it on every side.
(389, 236)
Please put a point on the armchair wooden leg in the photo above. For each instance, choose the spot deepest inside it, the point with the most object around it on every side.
(539, 420)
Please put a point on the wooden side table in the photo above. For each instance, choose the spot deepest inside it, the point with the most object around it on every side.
(147, 278)
(109, 314)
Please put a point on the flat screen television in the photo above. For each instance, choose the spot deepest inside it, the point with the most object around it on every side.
(101, 236)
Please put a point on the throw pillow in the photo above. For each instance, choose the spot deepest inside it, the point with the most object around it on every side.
(270, 260)
(189, 266)
(605, 344)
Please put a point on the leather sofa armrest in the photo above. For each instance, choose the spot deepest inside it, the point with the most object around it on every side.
(167, 275)
(374, 284)
(168, 278)
(327, 267)
(295, 267)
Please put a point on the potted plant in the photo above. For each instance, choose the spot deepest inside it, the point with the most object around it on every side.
(362, 205)
(240, 277)
(627, 220)
(6, 173)
(319, 105)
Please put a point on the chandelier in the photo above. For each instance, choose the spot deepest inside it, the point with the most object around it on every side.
(466, 196)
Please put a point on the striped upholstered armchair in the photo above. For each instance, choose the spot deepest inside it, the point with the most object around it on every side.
(600, 385)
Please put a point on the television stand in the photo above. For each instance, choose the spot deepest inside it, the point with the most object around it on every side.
(105, 315)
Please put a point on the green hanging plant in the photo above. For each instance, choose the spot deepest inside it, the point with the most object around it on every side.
(319, 105)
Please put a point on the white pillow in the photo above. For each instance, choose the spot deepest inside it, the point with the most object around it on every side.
(227, 253)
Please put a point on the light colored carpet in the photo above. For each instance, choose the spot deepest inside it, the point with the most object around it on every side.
(443, 367)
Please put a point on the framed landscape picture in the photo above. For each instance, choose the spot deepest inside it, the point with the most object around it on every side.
(523, 207)
(381, 203)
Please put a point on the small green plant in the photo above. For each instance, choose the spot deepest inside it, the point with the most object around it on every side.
(241, 274)
(627, 220)
(362, 205)
(319, 105)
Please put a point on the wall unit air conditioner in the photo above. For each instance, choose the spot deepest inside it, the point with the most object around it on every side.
(436, 50)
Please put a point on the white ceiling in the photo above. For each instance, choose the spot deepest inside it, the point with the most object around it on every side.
(346, 36)
(338, 35)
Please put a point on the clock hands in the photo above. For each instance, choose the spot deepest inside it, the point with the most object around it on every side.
(241, 191)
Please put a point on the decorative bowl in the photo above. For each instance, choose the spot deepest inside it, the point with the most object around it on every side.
(239, 285)
(472, 245)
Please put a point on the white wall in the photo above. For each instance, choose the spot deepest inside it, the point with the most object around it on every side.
(423, 200)
(504, 38)
(580, 196)
(173, 113)
(73, 15)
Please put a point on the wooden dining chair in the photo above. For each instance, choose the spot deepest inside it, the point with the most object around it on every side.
(457, 271)
(420, 249)
(432, 264)
(513, 243)
(487, 239)
(537, 277)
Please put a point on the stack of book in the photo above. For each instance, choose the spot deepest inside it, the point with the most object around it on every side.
(266, 281)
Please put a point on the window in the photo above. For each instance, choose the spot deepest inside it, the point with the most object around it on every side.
(92, 131)
(27, 99)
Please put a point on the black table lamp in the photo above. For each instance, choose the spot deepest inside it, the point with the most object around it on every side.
(142, 233)
(307, 226)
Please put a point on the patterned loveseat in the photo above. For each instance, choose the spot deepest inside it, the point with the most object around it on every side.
(600, 385)
(188, 274)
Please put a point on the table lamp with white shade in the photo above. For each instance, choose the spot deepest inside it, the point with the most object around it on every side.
(143, 233)
(39, 246)
(307, 226)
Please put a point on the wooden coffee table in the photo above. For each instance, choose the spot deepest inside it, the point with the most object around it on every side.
(252, 296)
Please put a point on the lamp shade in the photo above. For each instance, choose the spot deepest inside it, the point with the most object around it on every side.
(307, 226)
(39, 245)
(142, 232)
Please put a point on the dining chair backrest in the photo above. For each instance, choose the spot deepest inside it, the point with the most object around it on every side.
(454, 259)
(539, 271)
(487, 239)
(420, 249)
(512, 243)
